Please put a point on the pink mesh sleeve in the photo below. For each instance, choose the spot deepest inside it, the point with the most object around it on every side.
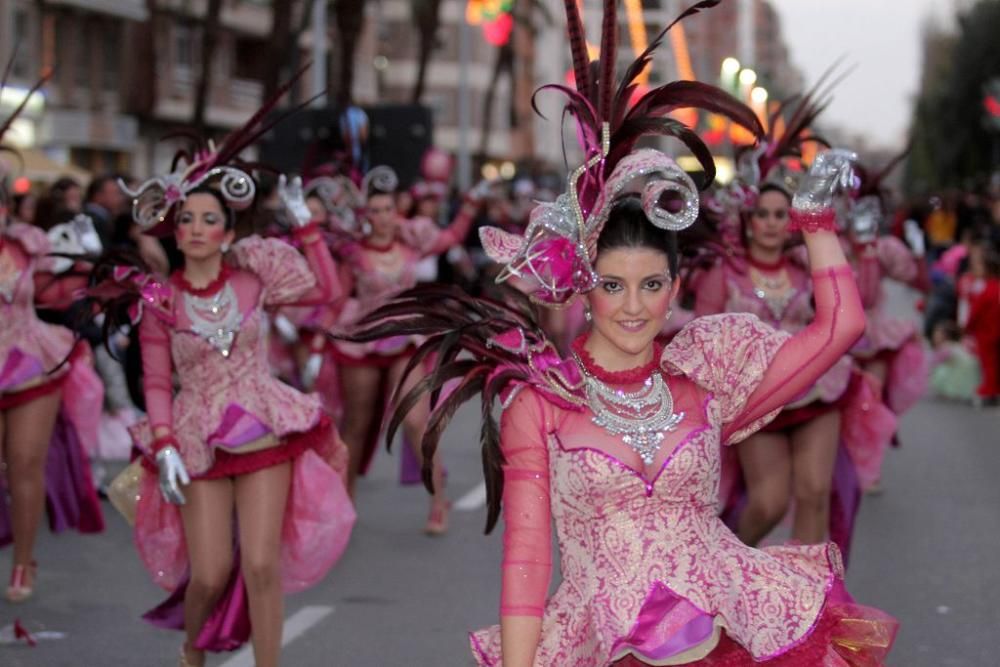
(527, 538)
(839, 322)
(327, 288)
(157, 382)
(869, 278)
(711, 294)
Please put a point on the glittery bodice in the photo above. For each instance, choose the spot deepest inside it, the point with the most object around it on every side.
(223, 397)
(28, 347)
(639, 542)
(379, 274)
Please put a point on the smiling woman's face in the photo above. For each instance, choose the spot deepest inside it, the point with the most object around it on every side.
(631, 301)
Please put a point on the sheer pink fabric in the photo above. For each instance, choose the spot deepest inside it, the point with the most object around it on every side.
(372, 275)
(626, 530)
(267, 274)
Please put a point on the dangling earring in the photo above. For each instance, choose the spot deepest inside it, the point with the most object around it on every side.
(587, 316)
(225, 247)
(670, 313)
(749, 233)
(366, 228)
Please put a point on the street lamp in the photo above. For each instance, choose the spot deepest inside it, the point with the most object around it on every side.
(730, 66)
(759, 95)
(748, 77)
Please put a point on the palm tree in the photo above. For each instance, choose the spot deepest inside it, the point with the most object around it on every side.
(209, 40)
(350, 19)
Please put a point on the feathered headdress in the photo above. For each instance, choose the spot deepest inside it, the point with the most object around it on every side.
(559, 245)
(154, 202)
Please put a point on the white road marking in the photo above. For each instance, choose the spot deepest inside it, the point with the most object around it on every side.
(472, 500)
(297, 625)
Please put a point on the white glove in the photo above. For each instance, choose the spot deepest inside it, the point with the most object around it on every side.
(172, 475)
(915, 237)
(481, 190)
(288, 331)
(293, 200)
(311, 371)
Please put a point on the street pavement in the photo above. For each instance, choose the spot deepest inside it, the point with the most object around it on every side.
(925, 550)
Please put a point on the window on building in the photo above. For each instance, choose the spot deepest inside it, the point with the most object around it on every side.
(247, 61)
(23, 34)
(112, 43)
(185, 48)
(82, 53)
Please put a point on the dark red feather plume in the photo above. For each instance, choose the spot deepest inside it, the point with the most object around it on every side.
(578, 46)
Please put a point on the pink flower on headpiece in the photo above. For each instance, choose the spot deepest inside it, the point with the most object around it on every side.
(172, 194)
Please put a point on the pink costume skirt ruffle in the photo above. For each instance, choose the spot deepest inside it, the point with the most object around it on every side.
(318, 520)
(846, 635)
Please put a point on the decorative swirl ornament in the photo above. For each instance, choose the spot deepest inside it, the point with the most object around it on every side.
(382, 178)
(153, 201)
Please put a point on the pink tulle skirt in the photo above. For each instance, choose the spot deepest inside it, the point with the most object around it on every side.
(318, 520)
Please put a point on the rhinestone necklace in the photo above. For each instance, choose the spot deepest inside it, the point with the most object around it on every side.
(641, 418)
(215, 318)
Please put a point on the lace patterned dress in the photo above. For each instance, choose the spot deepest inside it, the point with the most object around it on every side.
(649, 571)
(31, 356)
(230, 416)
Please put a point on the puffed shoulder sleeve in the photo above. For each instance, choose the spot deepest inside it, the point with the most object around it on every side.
(727, 355)
(283, 271)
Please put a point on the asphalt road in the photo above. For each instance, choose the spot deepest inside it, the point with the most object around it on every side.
(926, 550)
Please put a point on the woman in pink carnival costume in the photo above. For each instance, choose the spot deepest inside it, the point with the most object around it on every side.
(232, 439)
(891, 349)
(50, 397)
(798, 455)
(620, 445)
(374, 269)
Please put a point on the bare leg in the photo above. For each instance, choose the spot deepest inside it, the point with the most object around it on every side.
(28, 429)
(814, 455)
(413, 425)
(359, 388)
(767, 470)
(260, 508)
(208, 531)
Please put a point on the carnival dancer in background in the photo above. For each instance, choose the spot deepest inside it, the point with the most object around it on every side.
(891, 349)
(233, 439)
(376, 268)
(50, 396)
(620, 445)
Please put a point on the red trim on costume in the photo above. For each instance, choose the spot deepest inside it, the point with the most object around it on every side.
(368, 245)
(630, 376)
(177, 277)
(808, 222)
(766, 266)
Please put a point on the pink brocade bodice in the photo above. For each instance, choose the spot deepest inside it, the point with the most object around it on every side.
(234, 399)
(29, 348)
(647, 566)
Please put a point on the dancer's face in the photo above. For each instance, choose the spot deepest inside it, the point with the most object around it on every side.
(201, 227)
(630, 303)
(382, 215)
(769, 221)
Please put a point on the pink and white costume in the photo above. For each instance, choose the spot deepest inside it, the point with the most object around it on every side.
(371, 275)
(894, 339)
(31, 354)
(649, 571)
(230, 415)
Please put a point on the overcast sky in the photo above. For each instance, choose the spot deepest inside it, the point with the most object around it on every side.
(881, 38)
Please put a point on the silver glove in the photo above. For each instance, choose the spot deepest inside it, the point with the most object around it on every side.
(866, 219)
(831, 173)
(311, 371)
(172, 475)
(290, 193)
(481, 190)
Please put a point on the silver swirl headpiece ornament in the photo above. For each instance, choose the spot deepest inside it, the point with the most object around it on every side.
(153, 200)
(382, 178)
